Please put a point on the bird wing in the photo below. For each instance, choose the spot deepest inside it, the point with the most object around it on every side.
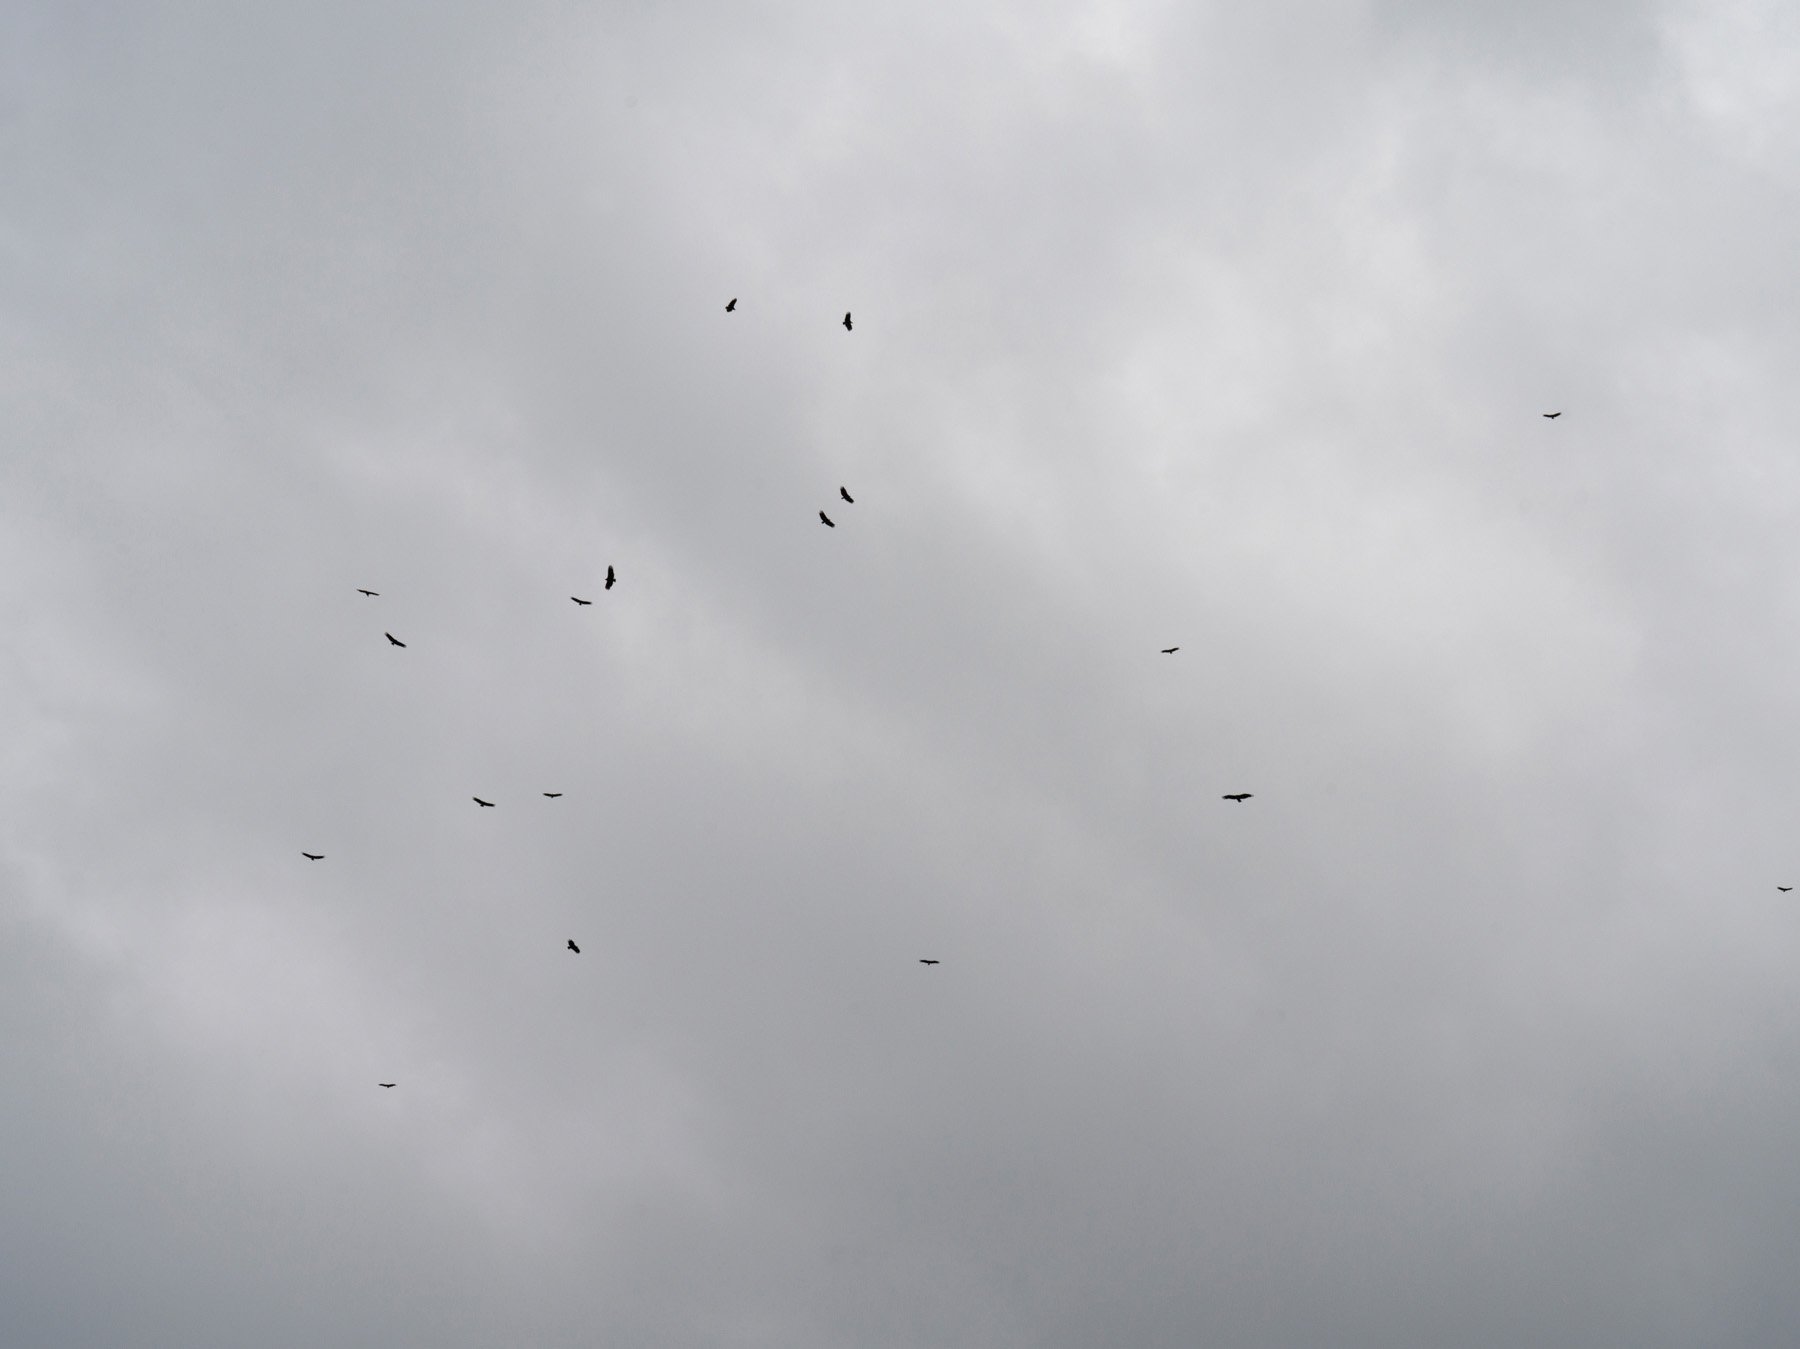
(579, 600)
(1170, 650)
(384, 1084)
(478, 801)
(313, 856)
(844, 492)
(609, 578)
(552, 793)
(826, 518)
(395, 640)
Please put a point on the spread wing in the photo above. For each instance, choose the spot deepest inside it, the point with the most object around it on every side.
(552, 793)
(827, 519)
(313, 856)
(395, 640)
(361, 591)
(609, 578)
(844, 492)
(579, 600)
(478, 801)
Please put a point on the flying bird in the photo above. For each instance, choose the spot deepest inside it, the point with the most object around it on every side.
(1552, 415)
(579, 600)
(1237, 796)
(827, 519)
(395, 640)
(313, 856)
(552, 794)
(373, 593)
(846, 321)
(573, 947)
(931, 962)
(478, 801)
(1170, 650)
(610, 578)
(844, 492)
(386, 1084)
(1784, 888)
(732, 305)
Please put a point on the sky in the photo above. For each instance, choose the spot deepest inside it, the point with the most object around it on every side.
(1222, 327)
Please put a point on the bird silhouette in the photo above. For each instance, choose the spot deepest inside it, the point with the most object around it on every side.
(844, 492)
(478, 801)
(732, 305)
(376, 594)
(573, 947)
(1237, 796)
(395, 640)
(827, 519)
(1784, 888)
(579, 600)
(931, 962)
(553, 794)
(846, 321)
(386, 1084)
(313, 856)
(1170, 650)
(1552, 415)
(610, 578)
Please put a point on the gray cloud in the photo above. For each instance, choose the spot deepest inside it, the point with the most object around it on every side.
(1228, 330)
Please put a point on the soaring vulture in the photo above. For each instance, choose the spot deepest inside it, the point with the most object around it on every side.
(313, 856)
(373, 593)
(931, 962)
(610, 578)
(478, 801)
(1553, 415)
(579, 600)
(395, 640)
(827, 519)
(386, 1084)
(732, 305)
(1170, 650)
(846, 322)
(573, 947)
(844, 492)
(552, 794)
(1784, 888)
(1237, 796)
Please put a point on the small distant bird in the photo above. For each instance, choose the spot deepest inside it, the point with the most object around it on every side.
(1237, 796)
(552, 794)
(478, 801)
(844, 492)
(573, 947)
(386, 1084)
(1784, 888)
(313, 856)
(732, 305)
(579, 600)
(846, 322)
(373, 593)
(1552, 415)
(395, 640)
(931, 962)
(610, 578)
(827, 519)
(1170, 650)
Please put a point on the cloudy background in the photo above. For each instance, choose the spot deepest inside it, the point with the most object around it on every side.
(1219, 326)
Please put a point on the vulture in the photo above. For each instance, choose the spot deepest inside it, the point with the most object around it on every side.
(579, 600)
(573, 947)
(313, 856)
(610, 578)
(1237, 796)
(731, 305)
(552, 794)
(1553, 415)
(374, 593)
(1784, 888)
(847, 322)
(478, 801)
(1170, 650)
(931, 962)
(827, 519)
(385, 1084)
(844, 492)
(395, 640)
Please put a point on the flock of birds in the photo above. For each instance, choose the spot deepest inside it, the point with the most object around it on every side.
(1237, 798)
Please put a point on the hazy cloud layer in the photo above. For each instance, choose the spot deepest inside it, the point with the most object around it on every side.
(1221, 328)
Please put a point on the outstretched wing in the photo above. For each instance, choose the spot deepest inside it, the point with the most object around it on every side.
(609, 578)
(395, 640)
(827, 519)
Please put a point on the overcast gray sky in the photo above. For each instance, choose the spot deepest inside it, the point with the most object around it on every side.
(1220, 326)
